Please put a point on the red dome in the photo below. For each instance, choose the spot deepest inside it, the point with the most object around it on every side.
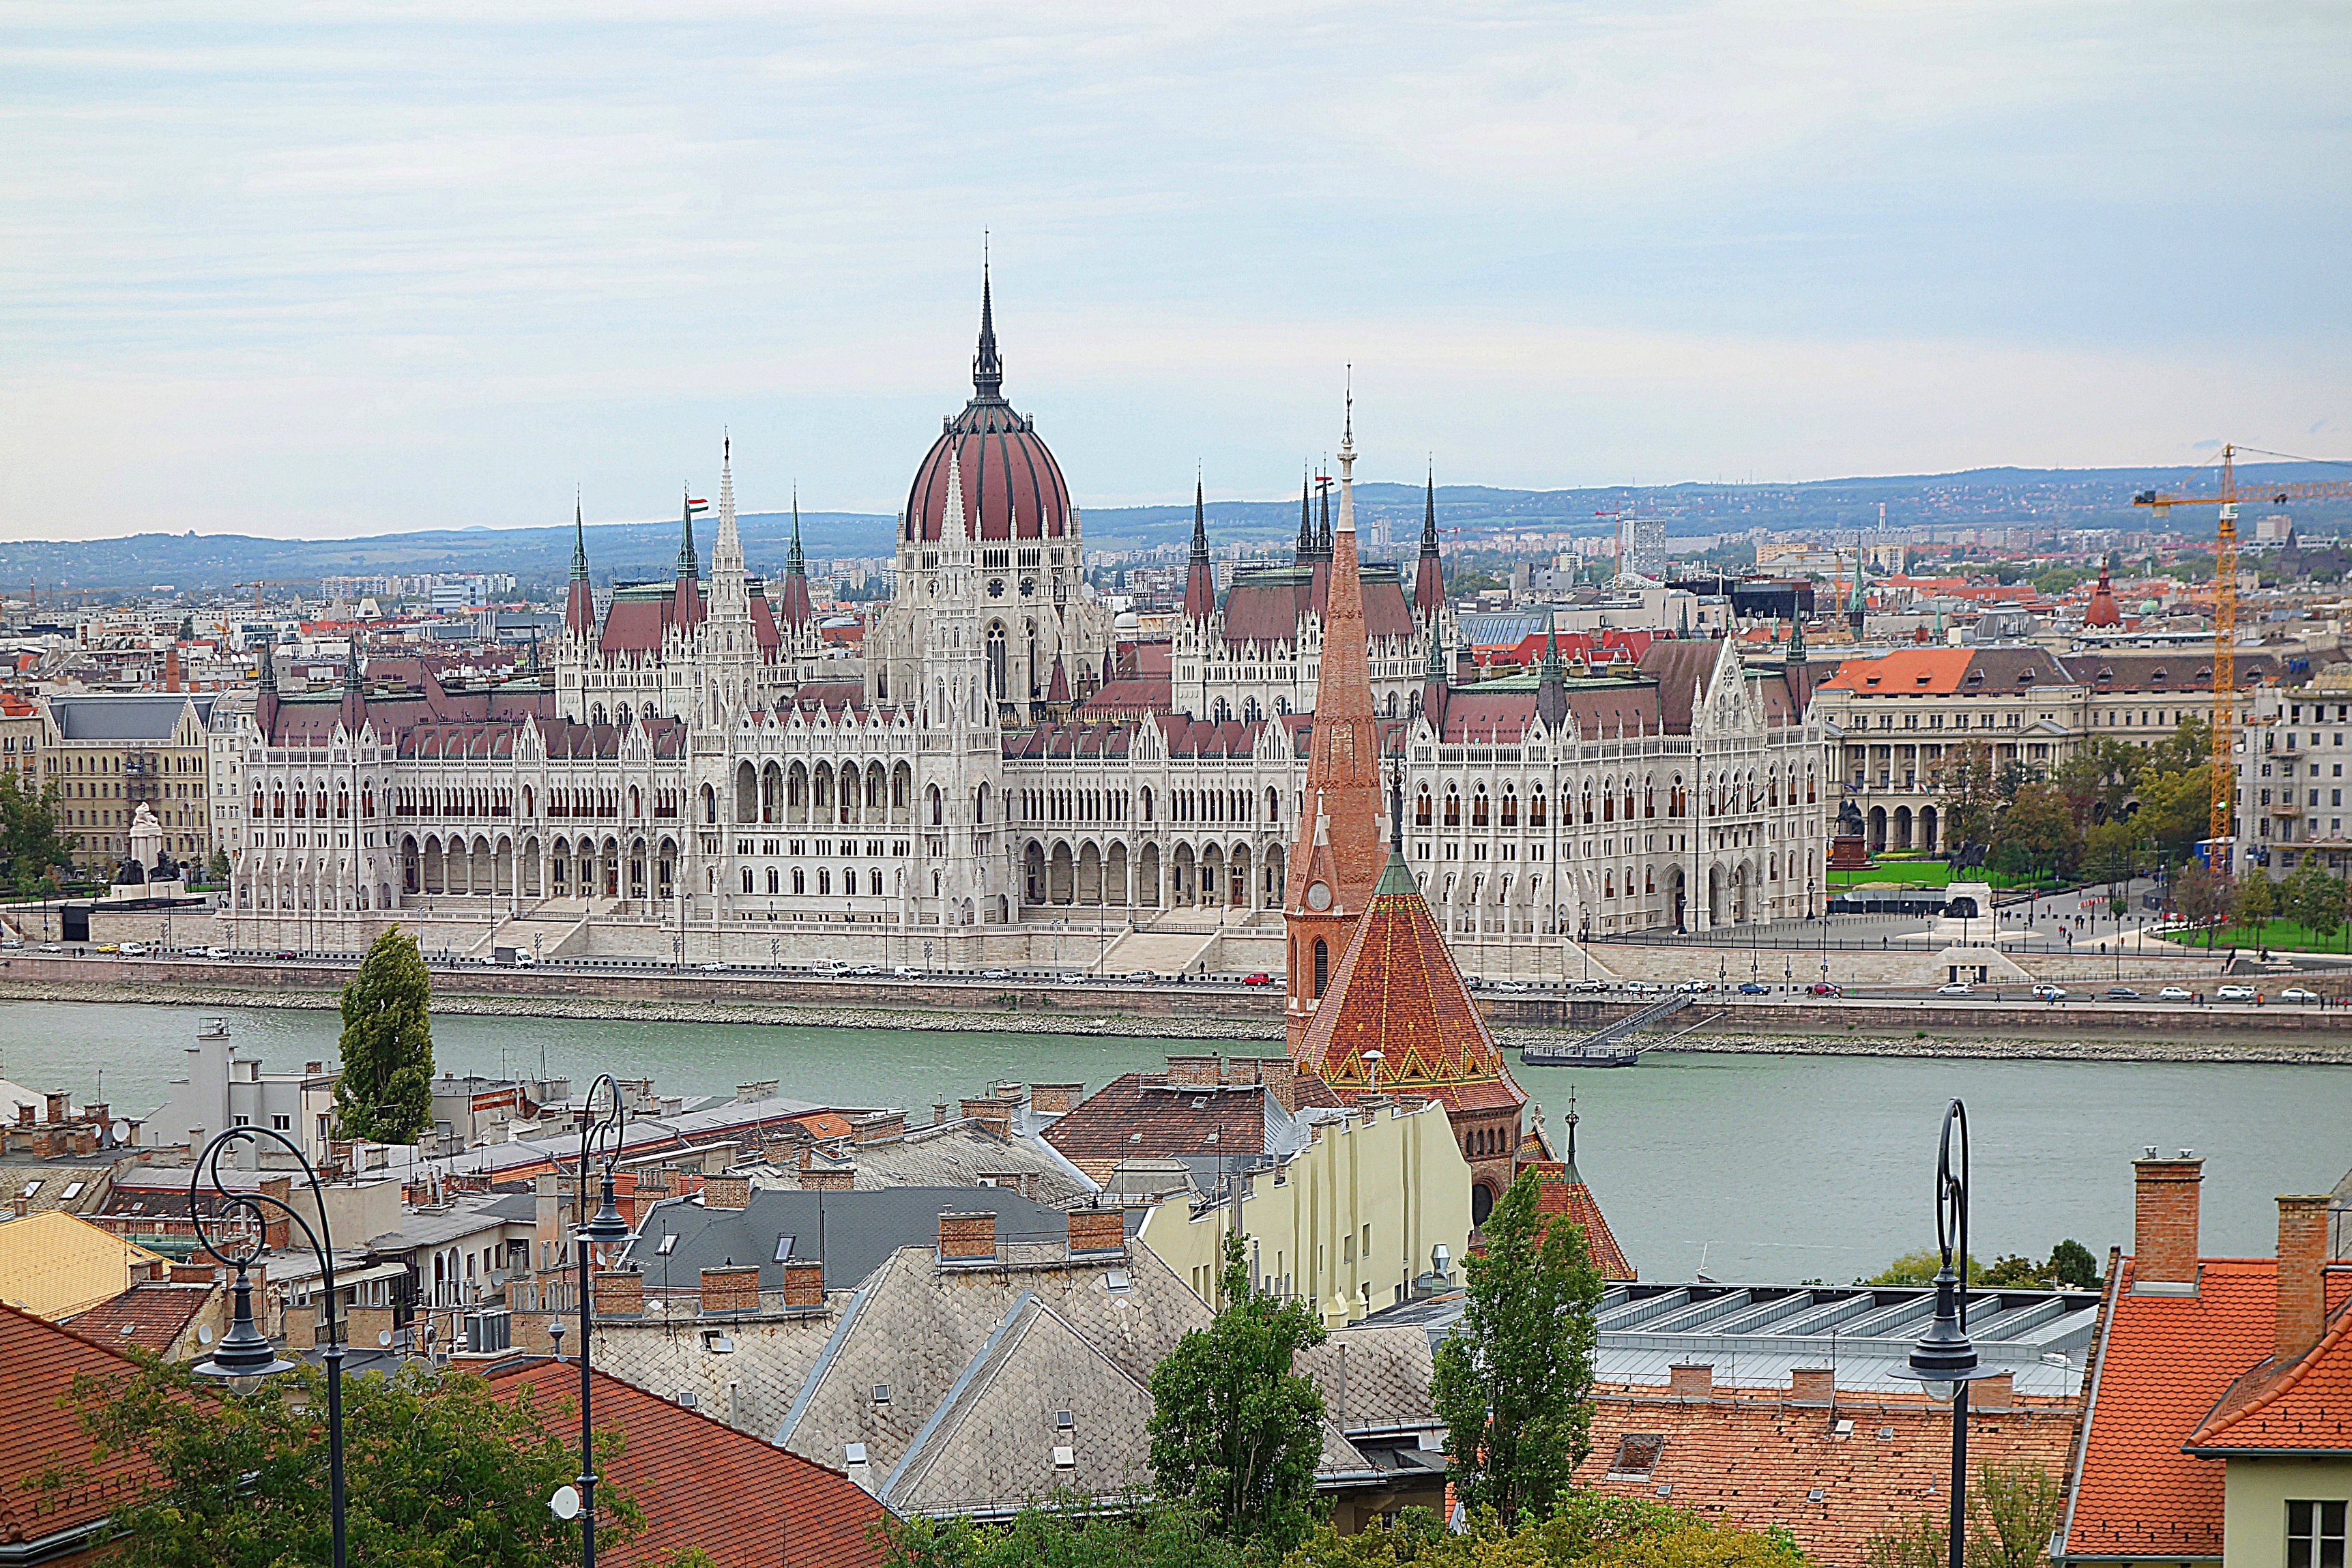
(1013, 488)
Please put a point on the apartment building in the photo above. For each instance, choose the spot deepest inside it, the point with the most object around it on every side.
(110, 754)
(2291, 757)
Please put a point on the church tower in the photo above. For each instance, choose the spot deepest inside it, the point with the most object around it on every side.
(730, 642)
(1336, 855)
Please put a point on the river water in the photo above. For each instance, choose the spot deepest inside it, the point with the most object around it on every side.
(1748, 1167)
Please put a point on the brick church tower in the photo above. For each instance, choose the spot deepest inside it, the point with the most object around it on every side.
(1337, 855)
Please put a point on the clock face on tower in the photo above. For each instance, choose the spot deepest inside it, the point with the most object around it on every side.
(1318, 896)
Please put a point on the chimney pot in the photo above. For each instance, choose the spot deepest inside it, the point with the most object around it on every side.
(726, 1192)
(618, 1291)
(805, 1283)
(2164, 1221)
(1813, 1385)
(733, 1289)
(2301, 1285)
(1097, 1230)
(967, 1237)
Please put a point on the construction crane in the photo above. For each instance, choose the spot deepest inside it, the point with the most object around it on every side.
(275, 582)
(2220, 819)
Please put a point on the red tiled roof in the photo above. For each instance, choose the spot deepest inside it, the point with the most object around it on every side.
(1935, 671)
(2163, 1362)
(1561, 1191)
(151, 1316)
(1755, 1461)
(37, 1364)
(702, 1483)
(1141, 1116)
(2303, 1408)
(1396, 990)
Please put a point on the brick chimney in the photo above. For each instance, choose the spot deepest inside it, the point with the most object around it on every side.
(1195, 1071)
(59, 1106)
(1813, 1385)
(618, 1292)
(2302, 1288)
(877, 1126)
(191, 1274)
(805, 1284)
(1691, 1380)
(967, 1237)
(1993, 1390)
(733, 1289)
(1280, 1076)
(726, 1192)
(828, 1180)
(1097, 1230)
(991, 1112)
(2164, 1223)
(1054, 1098)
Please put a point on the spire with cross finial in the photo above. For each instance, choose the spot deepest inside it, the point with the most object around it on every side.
(987, 369)
(578, 599)
(1306, 513)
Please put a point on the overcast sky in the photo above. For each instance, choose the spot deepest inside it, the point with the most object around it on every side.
(321, 268)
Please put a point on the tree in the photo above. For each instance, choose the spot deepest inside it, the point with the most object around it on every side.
(2251, 903)
(1514, 1379)
(2312, 899)
(441, 1470)
(2198, 897)
(2174, 809)
(1585, 1531)
(1235, 1430)
(1963, 780)
(2072, 1265)
(2187, 748)
(220, 866)
(32, 850)
(1065, 1532)
(385, 1093)
(2012, 1511)
(2036, 834)
(2096, 778)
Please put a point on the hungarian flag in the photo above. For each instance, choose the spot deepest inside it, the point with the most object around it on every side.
(695, 508)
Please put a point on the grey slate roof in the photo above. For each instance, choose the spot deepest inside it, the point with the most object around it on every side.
(1373, 1379)
(744, 1371)
(990, 1445)
(958, 1154)
(916, 1327)
(125, 717)
(852, 1232)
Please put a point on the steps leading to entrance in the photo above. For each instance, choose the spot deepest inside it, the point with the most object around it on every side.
(1163, 951)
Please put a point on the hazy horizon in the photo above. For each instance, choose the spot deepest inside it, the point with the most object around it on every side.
(322, 271)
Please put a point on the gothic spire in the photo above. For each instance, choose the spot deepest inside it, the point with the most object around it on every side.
(1551, 683)
(1429, 513)
(1323, 525)
(987, 370)
(689, 564)
(1305, 515)
(1200, 582)
(579, 598)
(579, 541)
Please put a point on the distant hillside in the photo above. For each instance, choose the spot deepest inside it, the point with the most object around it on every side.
(2075, 497)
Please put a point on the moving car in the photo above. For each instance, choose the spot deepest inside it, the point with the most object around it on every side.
(1141, 976)
(2176, 993)
(2050, 992)
(996, 974)
(1822, 988)
(107, 949)
(2120, 993)
(1750, 988)
(2298, 994)
(710, 968)
(1956, 988)
(220, 952)
(1514, 986)
(906, 971)
(1258, 979)
(2235, 993)
(1588, 985)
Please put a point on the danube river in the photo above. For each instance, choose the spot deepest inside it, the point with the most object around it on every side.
(1747, 1167)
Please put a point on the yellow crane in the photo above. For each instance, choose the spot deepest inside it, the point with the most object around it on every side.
(2220, 815)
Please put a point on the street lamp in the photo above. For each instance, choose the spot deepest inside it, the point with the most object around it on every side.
(244, 1356)
(606, 1227)
(1943, 1361)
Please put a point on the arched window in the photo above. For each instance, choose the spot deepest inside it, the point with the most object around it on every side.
(1421, 807)
(800, 881)
(1479, 808)
(1536, 808)
(1453, 807)
(1322, 967)
(997, 660)
(747, 878)
(1510, 806)
(775, 880)
(824, 881)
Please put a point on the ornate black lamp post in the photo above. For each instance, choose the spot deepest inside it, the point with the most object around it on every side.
(1943, 1361)
(244, 1356)
(606, 1227)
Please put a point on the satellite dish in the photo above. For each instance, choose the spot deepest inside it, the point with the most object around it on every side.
(384, 1337)
(566, 1503)
(203, 1333)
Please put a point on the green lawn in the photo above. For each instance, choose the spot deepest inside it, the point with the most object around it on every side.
(2280, 936)
(1926, 874)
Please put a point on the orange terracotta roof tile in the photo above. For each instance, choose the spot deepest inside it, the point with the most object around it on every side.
(1757, 1462)
(2303, 1408)
(152, 1316)
(2163, 1362)
(1561, 1191)
(702, 1483)
(37, 1364)
(1935, 671)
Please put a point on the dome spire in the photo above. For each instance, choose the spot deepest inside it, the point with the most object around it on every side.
(987, 370)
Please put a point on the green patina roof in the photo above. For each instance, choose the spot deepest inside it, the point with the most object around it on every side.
(1395, 878)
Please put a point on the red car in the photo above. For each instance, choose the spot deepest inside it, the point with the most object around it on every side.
(1822, 988)
(1258, 979)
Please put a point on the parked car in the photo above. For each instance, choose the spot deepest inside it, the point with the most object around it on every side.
(864, 969)
(1750, 988)
(107, 949)
(833, 967)
(52, 947)
(711, 968)
(1516, 987)
(906, 972)
(996, 974)
(1822, 988)
(1693, 986)
(1258, 979)
(8, 942)
(2176, 993)
(2298, 994)
(1140, 977)
(2235, 993)
(1588, 985)
(1956, 988)
(2046, 992)
(2120, 993)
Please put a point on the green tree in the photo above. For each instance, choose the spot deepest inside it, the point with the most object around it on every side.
(2253, 901)
(1963, 782)
(1514, 1379)
(1235, 1431)
(1065, 1533)
(2072, 1265)
(1919, 1269)
(2189, 748)
(2313, 898)
(2036, 834)
(2199, 897)
(441, 1470)
(2097, 778)
(220, 866)
(2012, 1511)
(32, 850)
(1586, 1529)
(386, 1094)
(2174, 809)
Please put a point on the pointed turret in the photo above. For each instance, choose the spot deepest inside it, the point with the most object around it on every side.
(1335, 855)
(727, 550)
(1305, 517)
(796, 610)
(687, 609)
(1429, 580)
(987, 369)
(1561, 1192)
(353, 712)
(1200, 579)
(265, 703)
(580, 599)
(1323, 526)
(1551, 683)
(1433, 684)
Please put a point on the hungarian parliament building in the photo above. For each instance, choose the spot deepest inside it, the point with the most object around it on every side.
(689, 775)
